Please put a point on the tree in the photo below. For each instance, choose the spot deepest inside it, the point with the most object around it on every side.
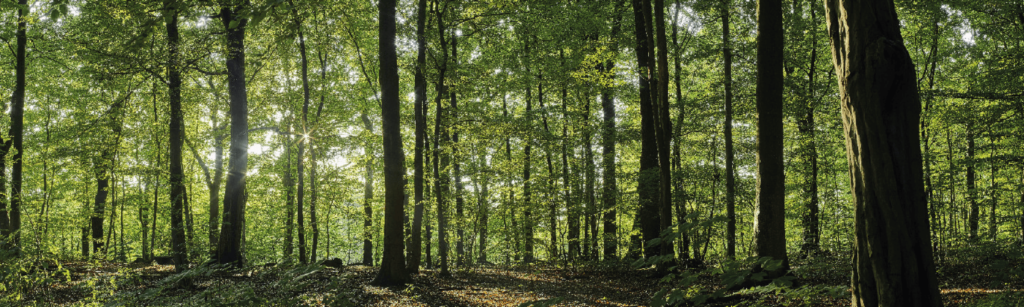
(392, 268)
(664, 128)
(17, 130)
(647, 184)
(232, 230)
(421, 130)
(730, 167)
(770, 232)
(893, 263)
(177, 125)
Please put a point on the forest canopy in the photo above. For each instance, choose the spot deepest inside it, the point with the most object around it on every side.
(432, 136)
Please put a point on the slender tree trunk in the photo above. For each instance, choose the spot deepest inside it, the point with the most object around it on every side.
(680, 187)
(571, 206)
(289, 203)
(610, 193)
(312, 204)
(510, 204)
(664, 123)
(893, 263)
(421, 127)
(367, 211)
(392, 269)
(453, 118)
(552, 204)
(229, 248)
(527, 204)
(993, 221)
(484, 211)
(179, 251)
(17, 128)
(812, 228)
(730, 167)
(972, 186)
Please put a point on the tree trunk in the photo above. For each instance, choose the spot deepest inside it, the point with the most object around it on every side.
(571, 206)
(483, 209)
(312, 204)
(681, 190)
(289, 202)
(664, 123)
(17, 130)
(527, 210)
(972, 187)
(812, 228)
(179, 251)
(232, 231)
(730, 165)
(770, 228)
(392, 269)
(453, 121)
(367, 209)
(550, 184)
(413, 254)
(893, 263)
(647, 183)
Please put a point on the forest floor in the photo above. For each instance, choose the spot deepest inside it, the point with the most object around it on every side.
(972, 281)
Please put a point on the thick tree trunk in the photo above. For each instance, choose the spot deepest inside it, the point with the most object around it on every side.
(421, 130)
(648, 182)
(730, 165)
(179, 251)
(17, 129)
(770, 228)
(392, 269)
(229, 248)
(99, 204)
(893, 263)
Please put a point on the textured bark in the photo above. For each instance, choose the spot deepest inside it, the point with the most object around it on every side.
(179, 251)
(770, 227)
(392, 269)
(420, 83)
(893, 263)
(647, 183)
(730, 165)
(664, 126)
(229, 248)
(17, 129)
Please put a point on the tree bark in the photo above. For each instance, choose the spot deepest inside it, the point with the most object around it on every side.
(527, 210)
(972, 186)
(648, 182)
(421, 130)
(17, 129)
(179, 251)
(730, 165)
(229, 248)
(460, 251)
(664, 123)
(770, 228)
(893, 263)
(392, 269)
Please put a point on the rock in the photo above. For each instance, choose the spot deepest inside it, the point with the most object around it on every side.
(333, 262)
